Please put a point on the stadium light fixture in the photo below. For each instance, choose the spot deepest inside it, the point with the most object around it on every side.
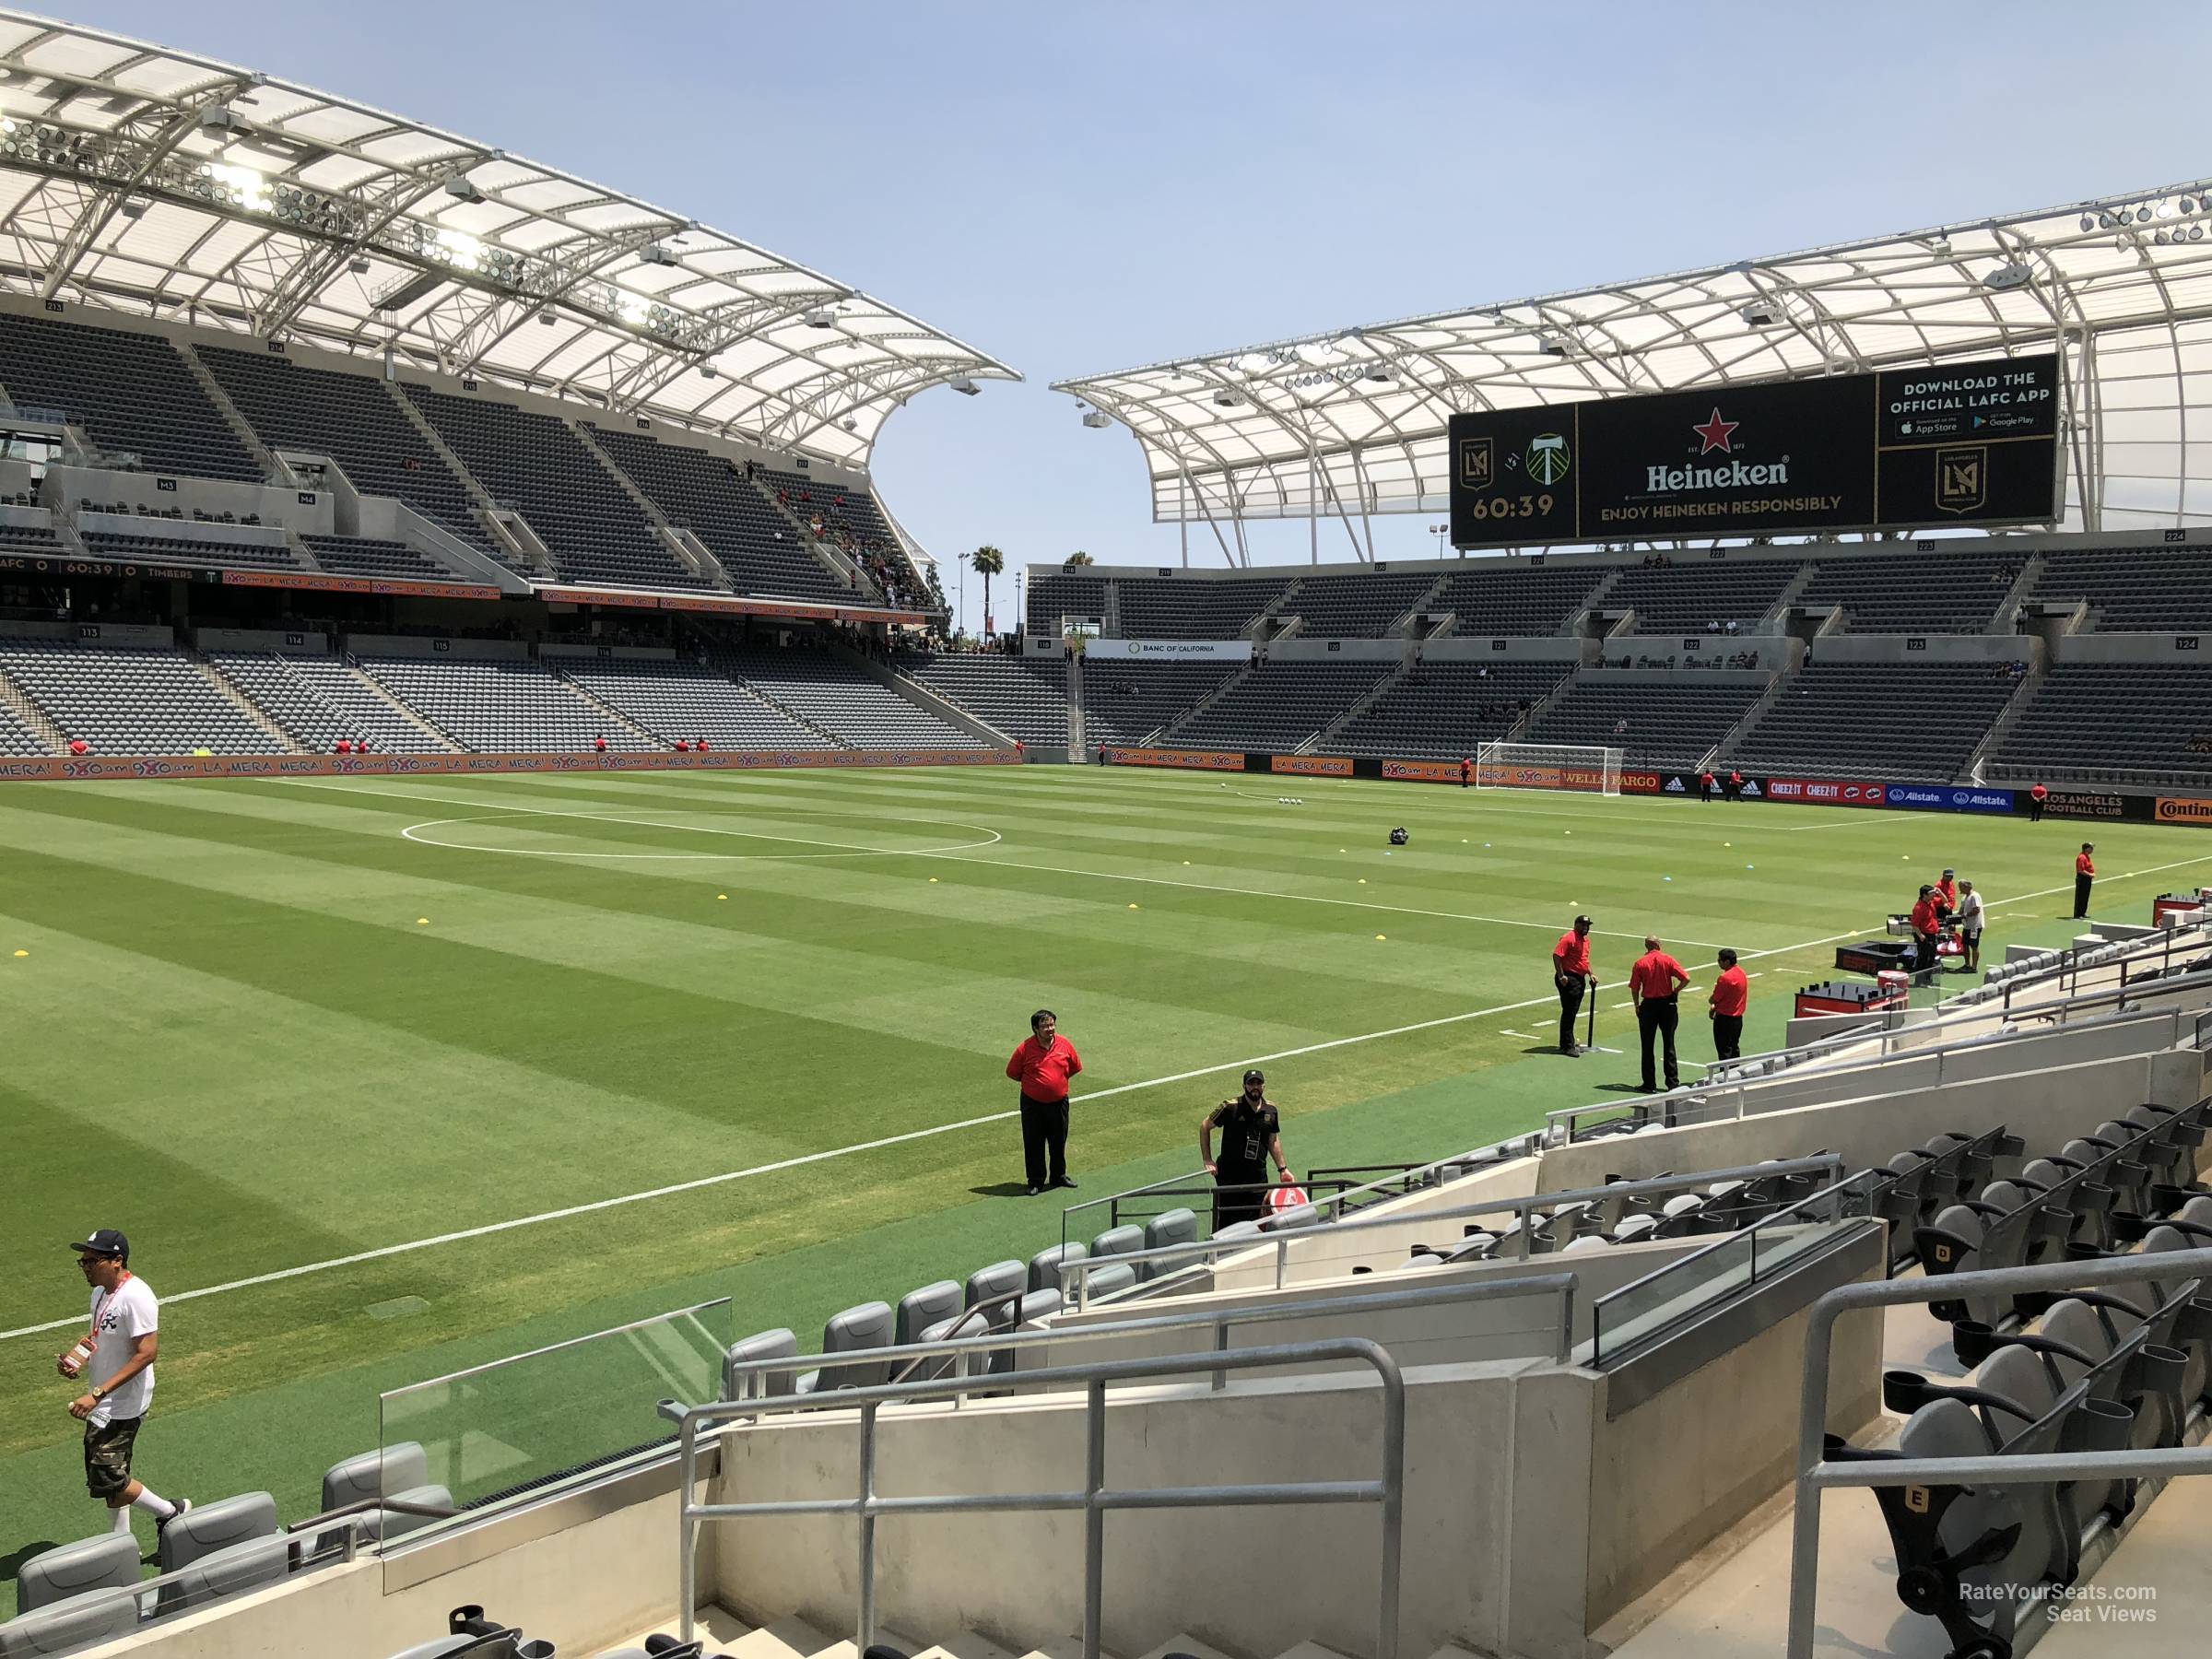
(2087, 223)
(631, 308)
(246, 184)
(2007, 277)
(964, 386)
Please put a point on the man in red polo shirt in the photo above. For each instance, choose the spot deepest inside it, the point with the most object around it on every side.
(1705, 786)
(1467, 772)
(1653, 983)
(1042, 1064)
(1571, 973)
(1731, 996)
(1927, 924)
(2085, 871)
(2036, 797)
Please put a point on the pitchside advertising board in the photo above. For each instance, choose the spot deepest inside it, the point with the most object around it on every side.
(1962, 444)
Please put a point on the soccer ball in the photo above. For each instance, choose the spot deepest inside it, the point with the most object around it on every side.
(1398, 838)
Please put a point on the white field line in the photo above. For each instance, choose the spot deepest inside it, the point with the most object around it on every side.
(997, 864)
(828, 1154)
(891, 1140)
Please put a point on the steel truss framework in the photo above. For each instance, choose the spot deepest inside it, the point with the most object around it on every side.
(1350, 424)
(146, 180)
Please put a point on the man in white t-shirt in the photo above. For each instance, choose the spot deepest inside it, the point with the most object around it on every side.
(116, 1361)
(1970, 924)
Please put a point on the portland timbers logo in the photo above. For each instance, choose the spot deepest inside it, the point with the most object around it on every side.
(1546, 458)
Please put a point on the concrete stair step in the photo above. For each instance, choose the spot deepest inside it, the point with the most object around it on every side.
(1449, 1652)
(969, 1645)
(1067, 1647)
(722, 1629)
(885, 1637)
(1185, 1644)
(780, 1639)
(1310, 1650)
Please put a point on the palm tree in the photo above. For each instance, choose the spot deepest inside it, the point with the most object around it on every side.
(1075, 558)
(988, 563)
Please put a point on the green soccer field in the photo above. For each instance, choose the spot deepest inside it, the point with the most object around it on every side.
(326, 1037)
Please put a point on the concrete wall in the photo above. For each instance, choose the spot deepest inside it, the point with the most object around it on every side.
(410, 645)
(1256, 1581)
(585, 1572)
(308, 510)
(255, 639)
(1327, 1252)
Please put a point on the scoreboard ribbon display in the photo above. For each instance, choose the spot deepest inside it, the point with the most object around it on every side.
(1904, 449)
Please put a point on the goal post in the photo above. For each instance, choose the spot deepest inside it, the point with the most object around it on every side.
(1585, 769)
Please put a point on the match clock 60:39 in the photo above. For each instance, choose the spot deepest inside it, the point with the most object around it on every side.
(1511, 507)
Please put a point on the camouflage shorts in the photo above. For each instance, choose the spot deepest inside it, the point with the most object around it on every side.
(107, 1457)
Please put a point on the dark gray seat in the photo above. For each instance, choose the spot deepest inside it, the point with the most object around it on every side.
(1000, 1278)
(1169, 1228)
(1118, 1240)
(372, 1474)
(869, 1325)
(919, 1309)
(54, 1575)
(1046, 1265)
(67, 1626)
(779, 1344)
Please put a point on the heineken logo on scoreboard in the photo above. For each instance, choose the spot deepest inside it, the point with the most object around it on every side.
(1962, 443)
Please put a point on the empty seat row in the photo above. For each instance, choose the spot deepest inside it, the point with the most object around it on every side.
(1025, 697)
(713, 498)
(843, 700)
(130, 393)
(1875, 720)
(686, 701)
(131, 701)
(322, 699)
(500, 706)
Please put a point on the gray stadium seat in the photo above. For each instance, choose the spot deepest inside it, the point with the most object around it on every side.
(1118, 1240)
(869, 1326)
(923, 1308)
(212, 1526)
(54, 1575)
(777, 1344)
(66, 1627)
(1045, 1265)
(1111, 1281)
(1000, 1278)
(372, 1474)
(229, 1571)
(1170, 1227)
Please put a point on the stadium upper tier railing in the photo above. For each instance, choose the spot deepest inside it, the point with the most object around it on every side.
(1203, 1253)
(1730, 1099)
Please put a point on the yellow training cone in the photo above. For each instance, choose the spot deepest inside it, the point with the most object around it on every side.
(1133, 907)
(422, 921)
(22, 953)
(725, 894)
(1381, 935)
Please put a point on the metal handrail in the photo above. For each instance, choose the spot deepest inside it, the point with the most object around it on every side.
(1816, 1474)
(1094, 1499)
(1114, 1199)
(989, 1305)
(1206, 1250)
(1693, 1104)
(1867, 1178)
(1218, 1320)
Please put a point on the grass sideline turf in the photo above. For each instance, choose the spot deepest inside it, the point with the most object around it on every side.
(260, 1027)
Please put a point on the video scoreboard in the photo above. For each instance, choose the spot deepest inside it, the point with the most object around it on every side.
(1952, 443)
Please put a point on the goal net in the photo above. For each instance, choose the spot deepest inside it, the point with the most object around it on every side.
(1587, 769)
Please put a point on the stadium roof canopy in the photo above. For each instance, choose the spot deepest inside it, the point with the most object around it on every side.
(1352, 422)
(148, 179)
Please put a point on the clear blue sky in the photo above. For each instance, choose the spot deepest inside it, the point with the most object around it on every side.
(1075, 188)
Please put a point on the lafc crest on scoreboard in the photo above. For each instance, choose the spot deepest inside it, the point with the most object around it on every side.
(1477, 463)
(1961, 478)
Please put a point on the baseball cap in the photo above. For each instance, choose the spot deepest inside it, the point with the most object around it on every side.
(104, 1242)
(1256, 1075)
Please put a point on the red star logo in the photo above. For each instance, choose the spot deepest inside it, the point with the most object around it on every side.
(1715, 434)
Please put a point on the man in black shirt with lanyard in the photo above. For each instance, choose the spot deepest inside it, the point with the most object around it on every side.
(1252, 1132)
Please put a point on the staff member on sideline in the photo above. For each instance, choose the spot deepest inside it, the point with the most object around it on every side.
(1571, 973)
(1653, 983)
(1927, 926)
(1252, 1133)
(1042, 1064)
(116, 1359)
(2036, 797)
(1731, 996)
(1467, 772)
(1970, 913)
(2085, 871)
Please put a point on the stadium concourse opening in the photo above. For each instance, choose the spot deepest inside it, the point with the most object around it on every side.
(539, 887)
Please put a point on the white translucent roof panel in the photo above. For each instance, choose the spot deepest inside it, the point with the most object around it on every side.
(149, 179)
(1353, 421)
